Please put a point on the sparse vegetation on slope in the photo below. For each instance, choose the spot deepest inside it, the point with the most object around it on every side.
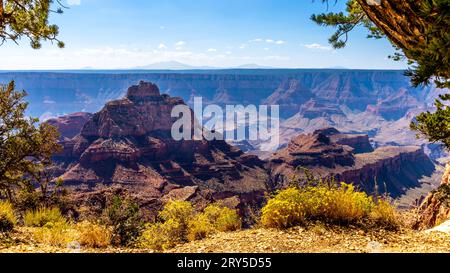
(320, 239)
(341, 205)
(125, 219)
(180, 224)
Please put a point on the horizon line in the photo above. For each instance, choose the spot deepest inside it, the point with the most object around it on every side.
(193, 69)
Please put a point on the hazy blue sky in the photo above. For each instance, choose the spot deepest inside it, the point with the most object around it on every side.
(124, 34)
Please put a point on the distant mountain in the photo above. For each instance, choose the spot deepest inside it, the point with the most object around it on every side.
(253, 66)
(171, 65)
(174, 65)
(374, 102)
(329, 153)
(308, 94)
(337, 67)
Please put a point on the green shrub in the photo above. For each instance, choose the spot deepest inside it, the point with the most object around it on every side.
(326, 203)
(180, 224)
(124, 218)
(43, 216)
(27, 199)
(7, 218)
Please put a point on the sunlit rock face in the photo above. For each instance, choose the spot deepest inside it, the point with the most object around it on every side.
(435, 209)
(128, 145)
(350, 158)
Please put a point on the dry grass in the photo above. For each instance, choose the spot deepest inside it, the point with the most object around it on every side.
(7, 217)
(43, 216)
(312, 238)
(58, 234)
(93, 235)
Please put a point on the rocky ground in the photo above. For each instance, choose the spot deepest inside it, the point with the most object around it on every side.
(321, 240)
(314, 239)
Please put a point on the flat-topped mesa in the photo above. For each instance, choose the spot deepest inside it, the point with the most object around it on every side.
(315, 149)
(144, 91)
(360, 143)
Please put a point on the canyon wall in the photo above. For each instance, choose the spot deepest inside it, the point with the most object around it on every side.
(390, 170)
(127, 146)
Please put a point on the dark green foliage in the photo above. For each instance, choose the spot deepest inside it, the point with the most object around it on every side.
(5, 224)
(435, 126)
(419, 29)
(28, 18)
(25, 147)
(125, 219)
(443, 194)
(345, 23)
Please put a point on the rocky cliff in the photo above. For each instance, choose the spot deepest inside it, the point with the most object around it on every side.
(128, 146)
(386, 93)
(70, 125)
(374, 102)
(435, 209)
(326, 154)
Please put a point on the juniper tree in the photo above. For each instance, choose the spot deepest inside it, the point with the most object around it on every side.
(28, 18)
(420, 32)
(26, 148)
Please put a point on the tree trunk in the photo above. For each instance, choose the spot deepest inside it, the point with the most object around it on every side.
(399, 20)
(1, 12)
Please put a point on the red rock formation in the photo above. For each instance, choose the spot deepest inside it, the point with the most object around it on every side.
(315, 150)
(70, 125)
(359, 143)
(391, 169)
(128, 144)
(435, 209)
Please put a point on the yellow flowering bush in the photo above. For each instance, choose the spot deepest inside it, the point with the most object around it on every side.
(223, 219)
(339, 205)
(181, 224)
(284, 210)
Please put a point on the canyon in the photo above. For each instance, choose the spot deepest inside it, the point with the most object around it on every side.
(331, 155)
(127, 147)
(378, 103)
(371, 109)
